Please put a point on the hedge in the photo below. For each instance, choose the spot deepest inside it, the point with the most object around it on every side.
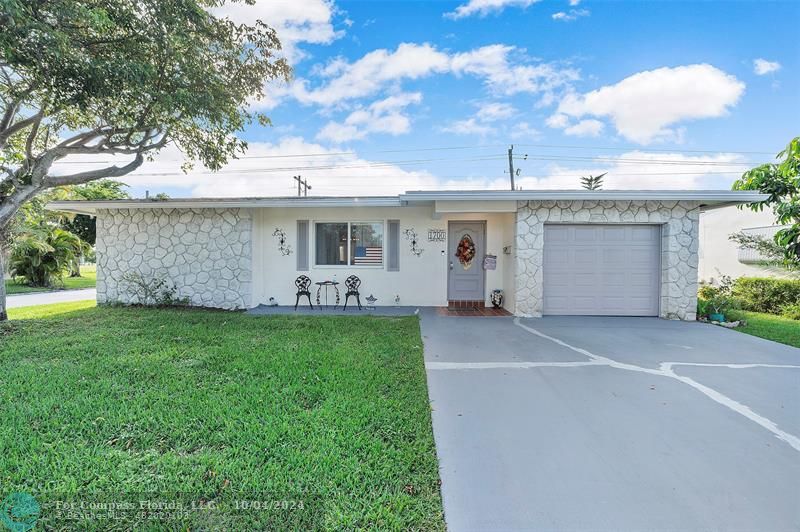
(761, 294)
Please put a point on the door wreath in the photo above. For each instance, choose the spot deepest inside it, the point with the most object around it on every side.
(465, 252)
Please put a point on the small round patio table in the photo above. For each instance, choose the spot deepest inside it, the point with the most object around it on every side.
(327, 284)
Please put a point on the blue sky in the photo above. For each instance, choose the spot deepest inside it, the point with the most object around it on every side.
(393, 96)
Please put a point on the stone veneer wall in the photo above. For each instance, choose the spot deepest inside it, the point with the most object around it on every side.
(205, 253)
(679, 241)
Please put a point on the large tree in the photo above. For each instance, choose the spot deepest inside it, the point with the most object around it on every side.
(121, 78)
(781, 181)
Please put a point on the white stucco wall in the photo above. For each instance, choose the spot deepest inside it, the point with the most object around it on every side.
(205, 253)
(718, 254)
(679, 223)
(422, 280)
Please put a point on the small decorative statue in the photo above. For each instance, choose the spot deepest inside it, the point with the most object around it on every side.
(371, 302)
(497, 298)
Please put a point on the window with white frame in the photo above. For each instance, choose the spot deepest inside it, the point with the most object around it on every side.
(348, 244)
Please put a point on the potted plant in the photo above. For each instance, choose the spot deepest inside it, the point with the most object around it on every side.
(717, 300)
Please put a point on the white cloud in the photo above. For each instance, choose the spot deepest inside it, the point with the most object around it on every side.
(572, 14)
(644, 105)
(266, 170)
(484, 7)
(557, 120)
(380, 69)
(493, 64)
(493, 111)
(762, 66)
(470, 126)
(383, 116)
(630, 170)
(585, 128)
(574, 3)
(309, 21)
(524, 131)
(371, 73)
(651, 170)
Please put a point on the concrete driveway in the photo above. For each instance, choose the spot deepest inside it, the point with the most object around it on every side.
(613, 424)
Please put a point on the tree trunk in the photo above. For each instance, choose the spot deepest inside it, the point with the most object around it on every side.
(75, 267)
(3, 314)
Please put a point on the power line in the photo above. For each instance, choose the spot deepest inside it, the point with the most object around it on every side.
(640, 148)
(469, 147)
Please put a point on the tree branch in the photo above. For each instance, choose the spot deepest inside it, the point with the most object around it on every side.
(7, 132)
(91, 175)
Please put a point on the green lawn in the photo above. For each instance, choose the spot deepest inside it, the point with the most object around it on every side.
(88, 279)
(325, 421)
(768, 326)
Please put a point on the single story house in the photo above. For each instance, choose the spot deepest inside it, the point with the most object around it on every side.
(578, 252)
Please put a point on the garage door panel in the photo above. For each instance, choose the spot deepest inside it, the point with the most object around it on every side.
(613, 234)
(602, 269)
(614, 257)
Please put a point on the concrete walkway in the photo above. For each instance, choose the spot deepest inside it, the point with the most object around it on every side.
(305, 310)
(46, 298)
(612, 424)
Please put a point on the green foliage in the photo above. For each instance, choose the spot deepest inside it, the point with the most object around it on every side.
(760, 294)
(169, 64)
(717, 299)
(593, 182)
(85, 226)
(773, 253)
(41, 257)
(769, 326)
(152, 291)
(219, 406)
(791, 311)
(781, 181)
(88, 279)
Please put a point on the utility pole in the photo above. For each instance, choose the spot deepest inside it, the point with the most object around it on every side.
(511, 165)
(302, 186)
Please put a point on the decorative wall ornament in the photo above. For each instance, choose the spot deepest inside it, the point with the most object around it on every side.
(413, 239)
(437, 235)
(283, 247)
(465, 252)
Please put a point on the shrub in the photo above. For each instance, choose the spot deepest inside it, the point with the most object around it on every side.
(717, 299)
(151, 291)
(760, 294)
(791, 311)
(41, 257)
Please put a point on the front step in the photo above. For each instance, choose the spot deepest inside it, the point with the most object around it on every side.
(466, 305)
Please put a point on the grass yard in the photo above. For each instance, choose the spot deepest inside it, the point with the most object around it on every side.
(769, 326)
(88, 279)
(246, 422)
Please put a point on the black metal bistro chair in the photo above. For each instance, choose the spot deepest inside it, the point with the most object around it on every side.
(351, 284)
(303, 284)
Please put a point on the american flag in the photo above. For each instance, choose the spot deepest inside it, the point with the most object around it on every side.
(368, 255)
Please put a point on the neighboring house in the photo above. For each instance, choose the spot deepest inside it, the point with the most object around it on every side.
(721, 256)
(631, 253)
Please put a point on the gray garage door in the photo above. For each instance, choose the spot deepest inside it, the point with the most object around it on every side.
(604, 270)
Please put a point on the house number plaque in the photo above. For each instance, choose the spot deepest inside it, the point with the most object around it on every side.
(437, 235)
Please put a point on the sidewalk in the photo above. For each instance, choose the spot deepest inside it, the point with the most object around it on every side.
(45, 298)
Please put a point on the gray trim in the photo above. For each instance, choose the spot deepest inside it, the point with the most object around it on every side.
(712, 196)
(707, 198)
(393, 246)
(302, 245)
